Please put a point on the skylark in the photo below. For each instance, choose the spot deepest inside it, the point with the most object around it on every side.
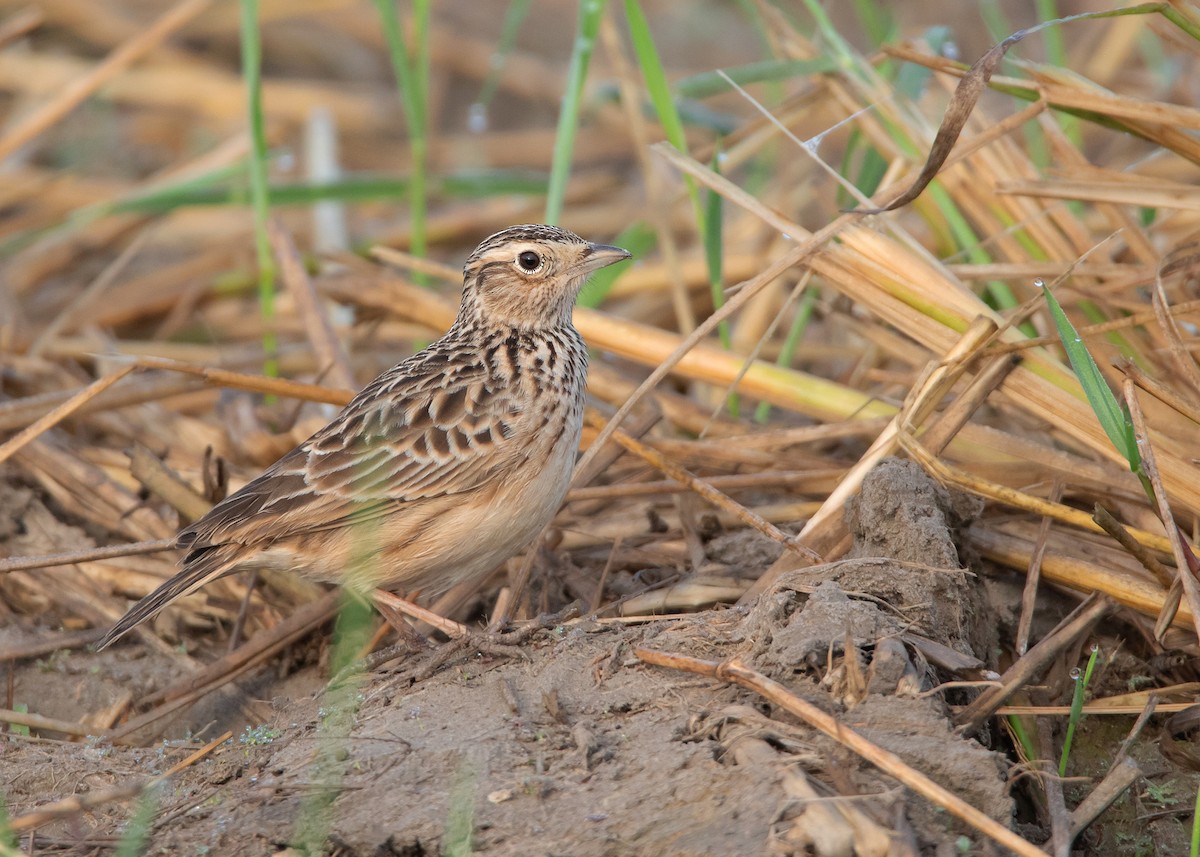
(442, 467)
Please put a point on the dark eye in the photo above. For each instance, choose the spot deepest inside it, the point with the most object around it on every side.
(529, 260)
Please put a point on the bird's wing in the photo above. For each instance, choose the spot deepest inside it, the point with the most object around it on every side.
(424, 429)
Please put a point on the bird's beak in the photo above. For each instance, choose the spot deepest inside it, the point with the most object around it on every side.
(597, 256)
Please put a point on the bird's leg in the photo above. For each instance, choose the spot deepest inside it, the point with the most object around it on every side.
(409, 636)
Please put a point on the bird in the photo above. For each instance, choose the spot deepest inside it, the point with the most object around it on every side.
(440, 469)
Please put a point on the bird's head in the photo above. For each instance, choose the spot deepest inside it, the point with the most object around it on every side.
(529, 276)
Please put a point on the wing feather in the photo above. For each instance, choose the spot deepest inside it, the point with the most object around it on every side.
(446, 431)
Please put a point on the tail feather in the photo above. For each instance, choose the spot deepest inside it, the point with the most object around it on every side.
(201, 567)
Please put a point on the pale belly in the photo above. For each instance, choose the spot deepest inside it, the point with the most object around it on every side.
(453, 539)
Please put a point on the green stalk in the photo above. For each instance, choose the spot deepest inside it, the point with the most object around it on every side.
(513, 18)
(1195, 849)
(8, 839)
(339, 706)
(133, 839)
(1081, 684)
(1109, 410)
(590, 12)
(412, 76)
(260, 198)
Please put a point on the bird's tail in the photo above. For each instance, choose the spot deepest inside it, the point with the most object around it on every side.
(200, 568)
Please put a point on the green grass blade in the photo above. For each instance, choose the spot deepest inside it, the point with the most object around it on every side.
(876, 21)
(590, 12)
(711, 232)
(1022, 737)
(339, 706)
(1112, 415)
(412, 76)
(514, 17)
(460, 816)
(252, 75)
(8, 839)
(654, 75)
(350, 188)
(137, 832)
(1195, 849)
(419, 136)
(711, 83)
(659, 89)
(20, 728)
(1081, 685)
(208, 191)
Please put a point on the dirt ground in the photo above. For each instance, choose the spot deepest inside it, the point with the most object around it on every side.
(577, 747)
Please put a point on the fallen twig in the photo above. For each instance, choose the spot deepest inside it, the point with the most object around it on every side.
(738, 673)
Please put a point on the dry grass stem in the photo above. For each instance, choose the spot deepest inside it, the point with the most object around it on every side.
(30, 433)
(330, 352)
(734, 671)
(23, 563)
(1186, 563)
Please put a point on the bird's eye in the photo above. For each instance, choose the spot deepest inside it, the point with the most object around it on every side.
(529, 261)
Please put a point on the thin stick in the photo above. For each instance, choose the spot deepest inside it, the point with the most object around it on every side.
(637, 429)
(1091, 610)
(254, 383)
(97, 287)
(733, 481)
(47, 645)
(1138, 726)
(407, 261)
(734, 671)
(24, 563)
(20, 25)
(73, 805)
(1134, 319)
(1056, 804)
(519, 583)
(1120, 776)
(163, 482)
(1089, 709)
(308, 306)
(826, 528)
(948, 475)
(751, 288)
(35, 429)
(1119, 532)
(50, 724)
(194, 757)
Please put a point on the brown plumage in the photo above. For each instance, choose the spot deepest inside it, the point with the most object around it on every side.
(442, 467)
